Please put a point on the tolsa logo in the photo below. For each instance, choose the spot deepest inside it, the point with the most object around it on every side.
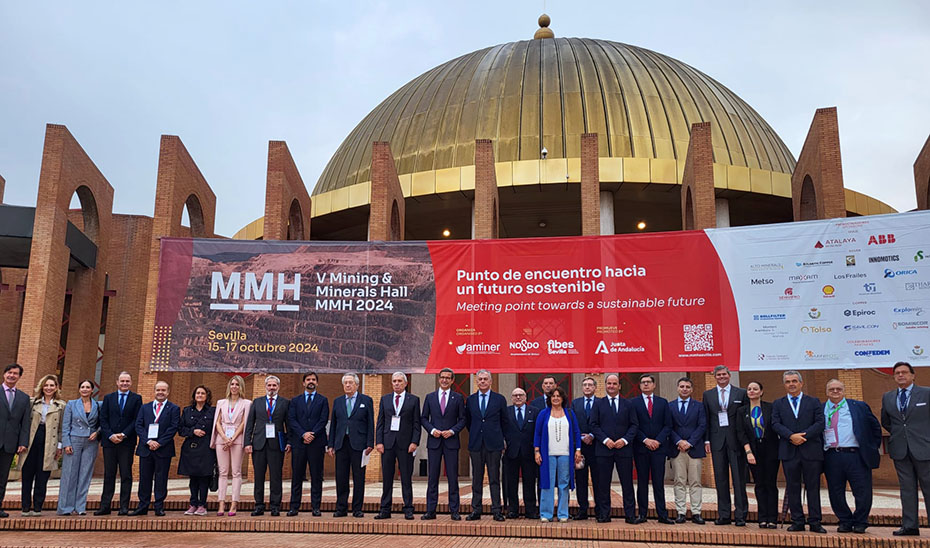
(266, 286)
(815, 330)
(881, 239)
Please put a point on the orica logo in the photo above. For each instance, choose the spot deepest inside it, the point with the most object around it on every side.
(889, 273)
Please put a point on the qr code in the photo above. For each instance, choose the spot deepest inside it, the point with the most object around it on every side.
(699, 337)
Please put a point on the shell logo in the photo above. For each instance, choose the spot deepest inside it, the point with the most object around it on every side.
(828, 290)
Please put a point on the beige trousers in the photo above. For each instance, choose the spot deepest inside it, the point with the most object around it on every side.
(687, 473)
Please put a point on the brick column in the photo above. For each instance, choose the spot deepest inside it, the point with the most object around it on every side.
(599, 391)
(373, 387)
(590, 186)
(852, 378)
(817, 182)
(287, 204)
(386, 215)
(487, 200)
(698, 202)
(921, 177)
(11, 302)
(2, 187)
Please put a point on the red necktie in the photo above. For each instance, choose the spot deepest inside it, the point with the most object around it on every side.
(397, 403)
(649, 406)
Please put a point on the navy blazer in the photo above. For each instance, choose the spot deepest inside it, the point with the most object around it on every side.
(360, 425)
(453, 419)
(584, 422)
(868, 432)
(168, 423)
(485, 431)
(519, 436)
(607, 424)
(691, 427)
(656, 427)
(810, 421)
(302, 418)
(112, 421)
(539, 402)
(409, 431)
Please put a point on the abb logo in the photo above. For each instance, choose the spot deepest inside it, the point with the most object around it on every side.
(881, 239)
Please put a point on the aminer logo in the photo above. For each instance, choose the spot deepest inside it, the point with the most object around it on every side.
(255, 290)
(477, 348)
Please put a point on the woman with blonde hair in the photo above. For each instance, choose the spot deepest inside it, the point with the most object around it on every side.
(226, 438)
(44, 449)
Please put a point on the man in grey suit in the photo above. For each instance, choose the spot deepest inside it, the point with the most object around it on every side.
(15, 419)
(906, 416)
(720, 404)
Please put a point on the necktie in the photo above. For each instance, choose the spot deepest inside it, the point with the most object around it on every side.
(682, 405)
(348, 412)
(649, 406)
(442, 403)
(902, 400)
(587, 407)
(309, 399)
(613, 403)
(520, 416)
(723, 399)
(157, 411)
(122, 402)
(483, 404)
(397, 404)
(835, 425)
(9, 397)
(794, 405)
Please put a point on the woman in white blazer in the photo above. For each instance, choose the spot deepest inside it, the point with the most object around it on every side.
(44, 444)
(227, 437)
(80, 430)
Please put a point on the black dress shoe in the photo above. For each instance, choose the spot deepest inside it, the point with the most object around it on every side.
(817, 528)
(498, 516)
(275, 512)
(160, 513)
(796, 527)
(681, 518)
(102, 512)
(381, 515)
(512, 515)
(408, 515)
(358, 514)
(602, 520)
(859, 529)
(428, 516)
(455, 516)
(580, 517)
(474, 516)
(258, 512)
(339, 514)
(740, 523)
(631, 521)
(123, 512)
(292, 512)
(642, 519)
(698, 520)
(666, 521)
(844, 528)
(906, 532)
(317, 513)
(3, 514)
(137, 512)
(722, 521)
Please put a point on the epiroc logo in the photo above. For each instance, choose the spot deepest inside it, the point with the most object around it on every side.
(270, 287)
(881, 239)
(857, 313)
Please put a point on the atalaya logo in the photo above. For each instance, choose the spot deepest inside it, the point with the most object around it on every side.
(834, 242)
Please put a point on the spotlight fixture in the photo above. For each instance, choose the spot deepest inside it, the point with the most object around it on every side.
(446, 233)
(641, 225)
(544, 153)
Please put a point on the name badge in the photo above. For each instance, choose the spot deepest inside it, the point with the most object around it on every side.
(829, 437)
(229, 432)
(269, 430)
(723, 418)
(395, 423)
(153, 431)
(920, 404)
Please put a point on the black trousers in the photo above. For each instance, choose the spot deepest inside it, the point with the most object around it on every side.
(581, 478)
(302, 457)
(651, 464)
(33, 473)
(349, 459)
(152, 468)
(605, 472)
(435, 459)
(271, 458)
(199, 486)
(798, 469)
(846, 467)
(399, 457)
(513, 468)
(765, 478)
(117, 457)
(479, 461)
(6, 459)
(729, 461)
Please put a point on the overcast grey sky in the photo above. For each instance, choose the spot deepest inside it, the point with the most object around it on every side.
(227, 77)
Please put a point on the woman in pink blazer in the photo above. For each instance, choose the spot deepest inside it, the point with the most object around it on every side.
(228, 425)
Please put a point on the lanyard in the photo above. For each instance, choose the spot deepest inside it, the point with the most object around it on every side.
(834, 410)
(230, 408)
(272, 402)
(158, 412)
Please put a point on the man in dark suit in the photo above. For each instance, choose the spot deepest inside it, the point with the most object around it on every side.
(118, 436)
(15, 422)
(582, 407)
(156, 425)
(799, 421)
(519, 428)
(266, 440)
(397, 436)
(307, 415)
(614, 425)
(651, 448)
(686, 449)
(351, 435)
(484, 418)
(906, 416)
(548, 384)
(850, 442)
(443, 418)
(720, 405)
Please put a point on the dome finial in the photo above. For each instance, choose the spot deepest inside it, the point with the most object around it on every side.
(544, 31)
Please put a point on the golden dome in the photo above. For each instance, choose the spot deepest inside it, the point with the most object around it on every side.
(532, 94)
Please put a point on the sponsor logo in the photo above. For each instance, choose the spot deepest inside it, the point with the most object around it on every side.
(834, 242)
(766, 267)
(849, 276)
(919, 324)
(889, 273)
(561, 347)
(828, 291)
(768, 317)
(478, 348)
(850, 260)
(803, 278)
(809, 264)
(772, 357)
(789, 295)
(523, 348)
(857, 313)
(919, 256)
(916, 286)
(866, 353)
(269, 289)
(860, 327)
(884, 259)
(870, 288)
(813, 314)
(617, 347)
(814, 330)
(811, 356)
(881, 239)
(863, 342)
(908, 310)
(762, 281)
(917, 350)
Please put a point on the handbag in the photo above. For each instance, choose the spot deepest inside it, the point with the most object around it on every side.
(215, 480)
(579, 465)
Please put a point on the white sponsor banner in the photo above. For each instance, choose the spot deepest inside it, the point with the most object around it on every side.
(840, 293)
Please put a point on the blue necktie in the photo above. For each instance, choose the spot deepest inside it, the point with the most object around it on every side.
(682, 405)
(587, 407)
(520, 417)
(122, 403)
(483, 404)
(794, 405)
(613, 403)
(902, 400)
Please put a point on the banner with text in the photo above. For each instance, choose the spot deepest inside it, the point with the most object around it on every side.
(819, 294)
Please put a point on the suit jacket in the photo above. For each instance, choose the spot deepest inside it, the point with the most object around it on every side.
(112, 421)
(767, 447)
(910, 432)
(433, 418)
(258, 418)
(716, 434)
(539, 402)
(360, 425)
(691, 427)
(487, 430)
(867, 431)
(519, 436)
(607, 424)
(409, 422)
(76, 424)
(656, 427)
(222, 420)
(810, 421)
(303, 418)
(14, 421)
(168, 423)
